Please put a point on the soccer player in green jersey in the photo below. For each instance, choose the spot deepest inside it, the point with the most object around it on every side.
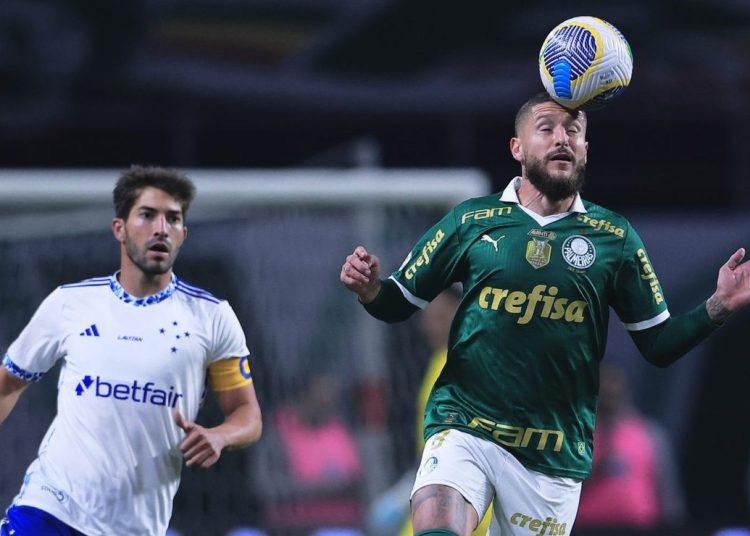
(511, 416)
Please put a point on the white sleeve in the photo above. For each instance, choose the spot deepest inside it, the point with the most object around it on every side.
(38, 347)
(228, 337)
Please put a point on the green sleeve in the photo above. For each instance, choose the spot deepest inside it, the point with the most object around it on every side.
(390, 305)
(428, 269)
(665, 343)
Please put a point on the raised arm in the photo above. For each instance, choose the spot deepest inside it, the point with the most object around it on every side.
(361, 274)
(664, 344)
(732, 288)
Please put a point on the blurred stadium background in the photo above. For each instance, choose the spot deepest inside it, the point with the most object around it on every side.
(310, 94)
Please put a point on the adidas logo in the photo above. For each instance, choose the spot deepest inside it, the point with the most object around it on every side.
(90, 331)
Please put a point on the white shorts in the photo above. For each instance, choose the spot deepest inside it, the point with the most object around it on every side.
(527, 503)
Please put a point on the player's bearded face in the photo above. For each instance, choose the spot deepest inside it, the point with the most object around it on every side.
(554, 186)
(141, 255)
(153, 232)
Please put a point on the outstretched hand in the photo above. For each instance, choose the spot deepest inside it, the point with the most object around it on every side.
(361, 274)
(732, 288)
(201, 447)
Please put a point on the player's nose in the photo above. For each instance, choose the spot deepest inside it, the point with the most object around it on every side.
(160, 224)
(561, 136)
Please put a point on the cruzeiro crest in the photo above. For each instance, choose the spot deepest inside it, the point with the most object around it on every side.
(578, 252)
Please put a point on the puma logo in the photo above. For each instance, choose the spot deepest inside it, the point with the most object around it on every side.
(488, 238)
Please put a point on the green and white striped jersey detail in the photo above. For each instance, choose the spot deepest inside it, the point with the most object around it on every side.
(526, 341)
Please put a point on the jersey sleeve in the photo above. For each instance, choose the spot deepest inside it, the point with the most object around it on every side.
(638, 297)
(39, 346)
(431, 265)
(228, 337)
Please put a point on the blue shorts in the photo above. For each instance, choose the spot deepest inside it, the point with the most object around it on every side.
(30, 521)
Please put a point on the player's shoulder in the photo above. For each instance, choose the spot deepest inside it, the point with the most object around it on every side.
(482, 207)
(84, 291)
(597, 215)
(86, 284)
(194, 293)
(483, 201)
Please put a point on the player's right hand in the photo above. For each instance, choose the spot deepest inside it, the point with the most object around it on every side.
(361, 274)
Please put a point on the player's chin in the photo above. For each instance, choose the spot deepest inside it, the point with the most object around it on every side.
(561, 169)
(158, 266)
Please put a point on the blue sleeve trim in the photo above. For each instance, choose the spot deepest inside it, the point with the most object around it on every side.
(18, 372)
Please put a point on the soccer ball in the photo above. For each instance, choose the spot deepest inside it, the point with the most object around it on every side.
(585, 62)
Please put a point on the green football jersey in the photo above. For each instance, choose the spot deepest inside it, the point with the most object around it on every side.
(526, 341)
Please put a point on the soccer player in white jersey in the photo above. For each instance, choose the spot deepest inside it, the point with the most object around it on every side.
(511, 416)
(138, 348)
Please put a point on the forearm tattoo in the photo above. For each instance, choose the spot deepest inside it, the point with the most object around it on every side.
(716, 310)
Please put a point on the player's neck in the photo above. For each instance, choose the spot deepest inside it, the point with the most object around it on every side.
(138, 284)
(534, 200)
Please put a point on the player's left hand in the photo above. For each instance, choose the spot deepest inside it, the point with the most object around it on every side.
(201, 447)
(732, 287)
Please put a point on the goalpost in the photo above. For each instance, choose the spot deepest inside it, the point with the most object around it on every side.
(272, 242)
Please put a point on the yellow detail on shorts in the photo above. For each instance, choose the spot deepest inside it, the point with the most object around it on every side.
(437, 440)
(230, 373)
(547, 527)
(518, 436)
(517, 302)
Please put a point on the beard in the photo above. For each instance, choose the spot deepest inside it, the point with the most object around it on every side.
(147, 266)
(554, 188)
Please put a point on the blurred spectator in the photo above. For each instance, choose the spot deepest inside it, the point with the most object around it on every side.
(308, 469)
(391, 510)
(634, 482)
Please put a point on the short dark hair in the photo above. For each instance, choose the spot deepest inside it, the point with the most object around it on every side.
(525, 110)
(132, 182)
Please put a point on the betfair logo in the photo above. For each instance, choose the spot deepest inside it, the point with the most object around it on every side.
(140, 393)
(548, 527)
(518, 436)
(602, 225)
(517, 302)
(649, 275)
(424, 256)
(484, 213)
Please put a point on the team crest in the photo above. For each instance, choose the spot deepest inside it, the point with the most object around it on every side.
(578, 252)
(538, 252)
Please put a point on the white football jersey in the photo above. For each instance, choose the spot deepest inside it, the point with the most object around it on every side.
(110, 462)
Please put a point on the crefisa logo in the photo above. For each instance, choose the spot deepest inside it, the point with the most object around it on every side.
(138, 392)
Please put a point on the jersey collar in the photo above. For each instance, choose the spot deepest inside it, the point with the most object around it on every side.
(510, 195)
(123, 295)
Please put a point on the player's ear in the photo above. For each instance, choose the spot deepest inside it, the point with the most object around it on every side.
(118, 226)
(515, 149)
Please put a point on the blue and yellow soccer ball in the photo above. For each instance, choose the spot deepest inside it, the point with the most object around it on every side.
(585, 62)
